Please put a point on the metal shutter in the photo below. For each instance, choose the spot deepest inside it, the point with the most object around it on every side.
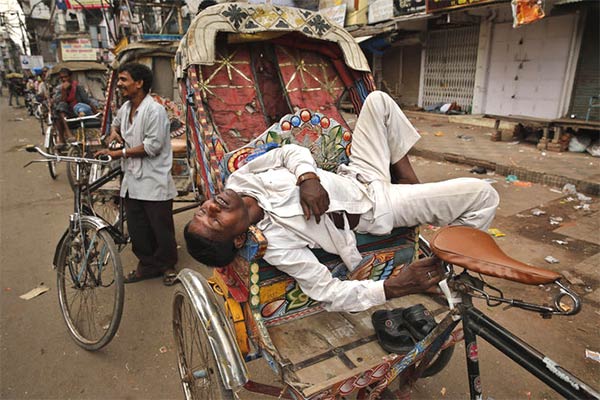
(587, 78)
(450, 64)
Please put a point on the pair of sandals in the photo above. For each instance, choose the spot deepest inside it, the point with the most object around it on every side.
(400, 329)
(169, 276)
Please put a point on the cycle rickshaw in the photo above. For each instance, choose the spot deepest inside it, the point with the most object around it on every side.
(92, 77)
(256, 76)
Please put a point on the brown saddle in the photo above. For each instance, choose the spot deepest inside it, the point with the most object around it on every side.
(476, 251)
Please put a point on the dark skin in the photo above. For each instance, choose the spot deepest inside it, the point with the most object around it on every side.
(133, 91)
(228, 216)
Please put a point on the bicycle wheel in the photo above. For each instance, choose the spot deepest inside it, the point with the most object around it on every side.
(198, 368)
(90, 286)
(84, 169)
(50, 142)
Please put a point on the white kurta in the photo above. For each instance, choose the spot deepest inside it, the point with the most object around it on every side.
(382, 135)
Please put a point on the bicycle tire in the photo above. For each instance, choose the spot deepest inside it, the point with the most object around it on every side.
(87, 287)
(190, 335)
(84, 169)
(51, 149)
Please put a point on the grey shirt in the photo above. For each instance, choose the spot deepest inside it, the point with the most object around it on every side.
(147, 178)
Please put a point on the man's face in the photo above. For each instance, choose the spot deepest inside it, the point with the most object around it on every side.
(221, 218)
(127, 86)
(64, 78)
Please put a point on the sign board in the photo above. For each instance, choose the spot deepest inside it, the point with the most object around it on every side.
(39, 10)
(77, 50)
(381, 10)
(410, 6)
(336, 14)
(87, 4)
(31, 62)
(443, 5)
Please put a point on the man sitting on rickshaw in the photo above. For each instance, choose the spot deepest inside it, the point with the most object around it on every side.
(71, 100)
(299, 206)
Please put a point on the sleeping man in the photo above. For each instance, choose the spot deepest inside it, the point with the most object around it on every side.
(298, 206)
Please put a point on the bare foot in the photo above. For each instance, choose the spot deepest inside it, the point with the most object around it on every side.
(418, 277)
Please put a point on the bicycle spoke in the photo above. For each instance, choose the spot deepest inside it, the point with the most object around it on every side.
(92, 310)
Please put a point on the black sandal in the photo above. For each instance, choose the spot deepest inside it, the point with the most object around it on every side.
(392, 332)
(419, 321)
(133, 277)
(170, 277)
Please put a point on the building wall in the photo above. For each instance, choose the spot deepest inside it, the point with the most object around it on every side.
(392, 72)
(411, 69)
(528, 67)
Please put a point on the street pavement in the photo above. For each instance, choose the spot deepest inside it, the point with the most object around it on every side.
(38, 360)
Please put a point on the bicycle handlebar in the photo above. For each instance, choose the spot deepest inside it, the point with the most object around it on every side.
(104, 159)
(84, 118)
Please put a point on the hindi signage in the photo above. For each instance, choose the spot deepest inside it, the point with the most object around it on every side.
(78, 50)
(31, 62)
(443, 5)
(381, 10)
(410, 6)
(87, 4)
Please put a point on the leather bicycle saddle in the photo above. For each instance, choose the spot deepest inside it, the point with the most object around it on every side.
(477, 251)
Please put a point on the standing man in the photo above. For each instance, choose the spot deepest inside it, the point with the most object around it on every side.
(14, 88)
(142, 126)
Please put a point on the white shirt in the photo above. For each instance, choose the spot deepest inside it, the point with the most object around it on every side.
(271, 180)
(147, 178)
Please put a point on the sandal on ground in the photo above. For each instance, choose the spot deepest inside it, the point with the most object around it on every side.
(392, 332)
(169, 277)
(133, 276)
(419, 321)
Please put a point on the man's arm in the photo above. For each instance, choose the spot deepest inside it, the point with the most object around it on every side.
(156, 133)
(316, 281)
(299, 161)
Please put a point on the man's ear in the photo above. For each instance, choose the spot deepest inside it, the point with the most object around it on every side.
(239, 240)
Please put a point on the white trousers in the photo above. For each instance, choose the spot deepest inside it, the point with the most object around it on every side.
(382, 136)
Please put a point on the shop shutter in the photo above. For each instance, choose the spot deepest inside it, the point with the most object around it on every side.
(450, 64)
(587, 77)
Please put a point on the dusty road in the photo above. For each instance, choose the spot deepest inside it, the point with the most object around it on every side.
(38, 360)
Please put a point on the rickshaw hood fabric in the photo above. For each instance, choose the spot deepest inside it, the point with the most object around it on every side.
(198, 45)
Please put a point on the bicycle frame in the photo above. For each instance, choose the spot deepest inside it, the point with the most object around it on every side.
(475, 323)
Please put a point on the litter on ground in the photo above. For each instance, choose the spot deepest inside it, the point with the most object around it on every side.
(495, 232)
(537, 212)
(35, 292)
(551, 260)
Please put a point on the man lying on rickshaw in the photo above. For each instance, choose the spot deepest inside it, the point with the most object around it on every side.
(299, 206)
(70, 100)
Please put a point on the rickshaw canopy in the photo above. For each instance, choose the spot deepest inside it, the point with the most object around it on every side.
(139, 50)
(253, 22)
(78, 66)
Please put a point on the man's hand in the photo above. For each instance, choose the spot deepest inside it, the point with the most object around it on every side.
(114, 154)
(114, 137)
(313, 198)
(418, 277)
